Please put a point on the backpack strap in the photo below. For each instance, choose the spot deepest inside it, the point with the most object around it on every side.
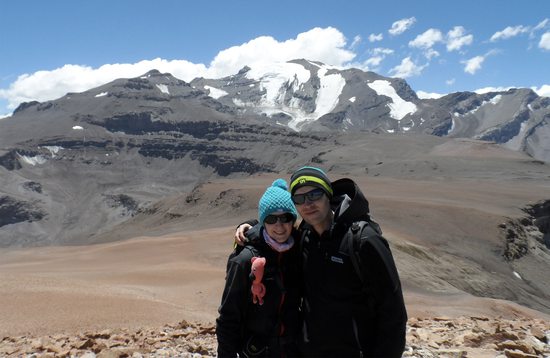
(370, 233)
(353, 244)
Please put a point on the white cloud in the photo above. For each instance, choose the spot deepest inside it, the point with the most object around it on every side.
(508, 32)
(456, 39)
(543, 91)
(431, 53)
(382, 51)
(373, 62)
(428, 95)
(492, 89)
(541, 25)
(326, 45)
(379, 54)
(48, 85)
(427, 39)
(545, 41)
(474, 64)
(401, 26)
(376, 37)
(450, 82)
(356, 41)
(407, 68)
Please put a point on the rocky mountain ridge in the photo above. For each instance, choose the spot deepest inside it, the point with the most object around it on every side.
(306, 95)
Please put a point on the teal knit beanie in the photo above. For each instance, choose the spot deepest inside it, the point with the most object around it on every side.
(276, 199)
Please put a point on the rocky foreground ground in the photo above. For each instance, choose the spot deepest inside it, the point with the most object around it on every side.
(434, 337)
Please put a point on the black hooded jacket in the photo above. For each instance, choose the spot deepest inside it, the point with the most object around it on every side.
(276, 323)
(345, 317)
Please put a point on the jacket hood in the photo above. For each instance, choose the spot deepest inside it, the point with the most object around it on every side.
(349, 203)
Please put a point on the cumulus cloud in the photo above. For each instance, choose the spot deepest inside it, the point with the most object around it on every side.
(401, 26)
(427, 39)
(326, 45)
(376, 37)
(543, 91)
(407, 68)
(320, 44)
(431, 53)
(492, 89)
(377, 56)
(47, 85)
(474, 64)
(428, 95)
(457, 38)
(544, 42)
(508, 32)
(450, 82)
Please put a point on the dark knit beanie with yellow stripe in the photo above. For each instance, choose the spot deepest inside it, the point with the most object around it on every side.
(310, 176)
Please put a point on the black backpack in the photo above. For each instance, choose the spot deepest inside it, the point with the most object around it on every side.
(369, 231)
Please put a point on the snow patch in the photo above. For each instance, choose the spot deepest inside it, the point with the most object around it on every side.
(215, 92)
(79, 128)
(517, 275)
(399, 108)
(495, 99)
(352, 99)
(163, 89)
(36, 160)
(329, 91)
(54, 149)
(275, 76)
(102, 94)
(278, 80)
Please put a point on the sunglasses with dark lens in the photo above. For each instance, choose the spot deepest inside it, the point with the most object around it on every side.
(312, 195)
(283, 218)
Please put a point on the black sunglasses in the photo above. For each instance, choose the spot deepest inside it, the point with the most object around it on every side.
(312, 195)
(283, 218)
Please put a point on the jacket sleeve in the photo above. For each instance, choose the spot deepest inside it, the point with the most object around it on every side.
(389, 305)
(232, 311)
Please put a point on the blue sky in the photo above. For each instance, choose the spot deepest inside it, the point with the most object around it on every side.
(49, 48)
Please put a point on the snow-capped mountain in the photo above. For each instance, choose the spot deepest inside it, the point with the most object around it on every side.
(306, 95)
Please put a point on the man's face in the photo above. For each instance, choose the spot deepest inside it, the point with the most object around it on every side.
(313, 212)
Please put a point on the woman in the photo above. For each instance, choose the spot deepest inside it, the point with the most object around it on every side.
(268, 328)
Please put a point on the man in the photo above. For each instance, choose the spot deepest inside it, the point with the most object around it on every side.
(346, 313)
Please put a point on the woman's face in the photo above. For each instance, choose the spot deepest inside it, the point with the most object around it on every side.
(279, 231)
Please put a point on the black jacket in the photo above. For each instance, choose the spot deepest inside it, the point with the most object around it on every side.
(274, 324)
(343, 316)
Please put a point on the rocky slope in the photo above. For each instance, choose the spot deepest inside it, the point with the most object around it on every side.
(426, 338)
(73, 167)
